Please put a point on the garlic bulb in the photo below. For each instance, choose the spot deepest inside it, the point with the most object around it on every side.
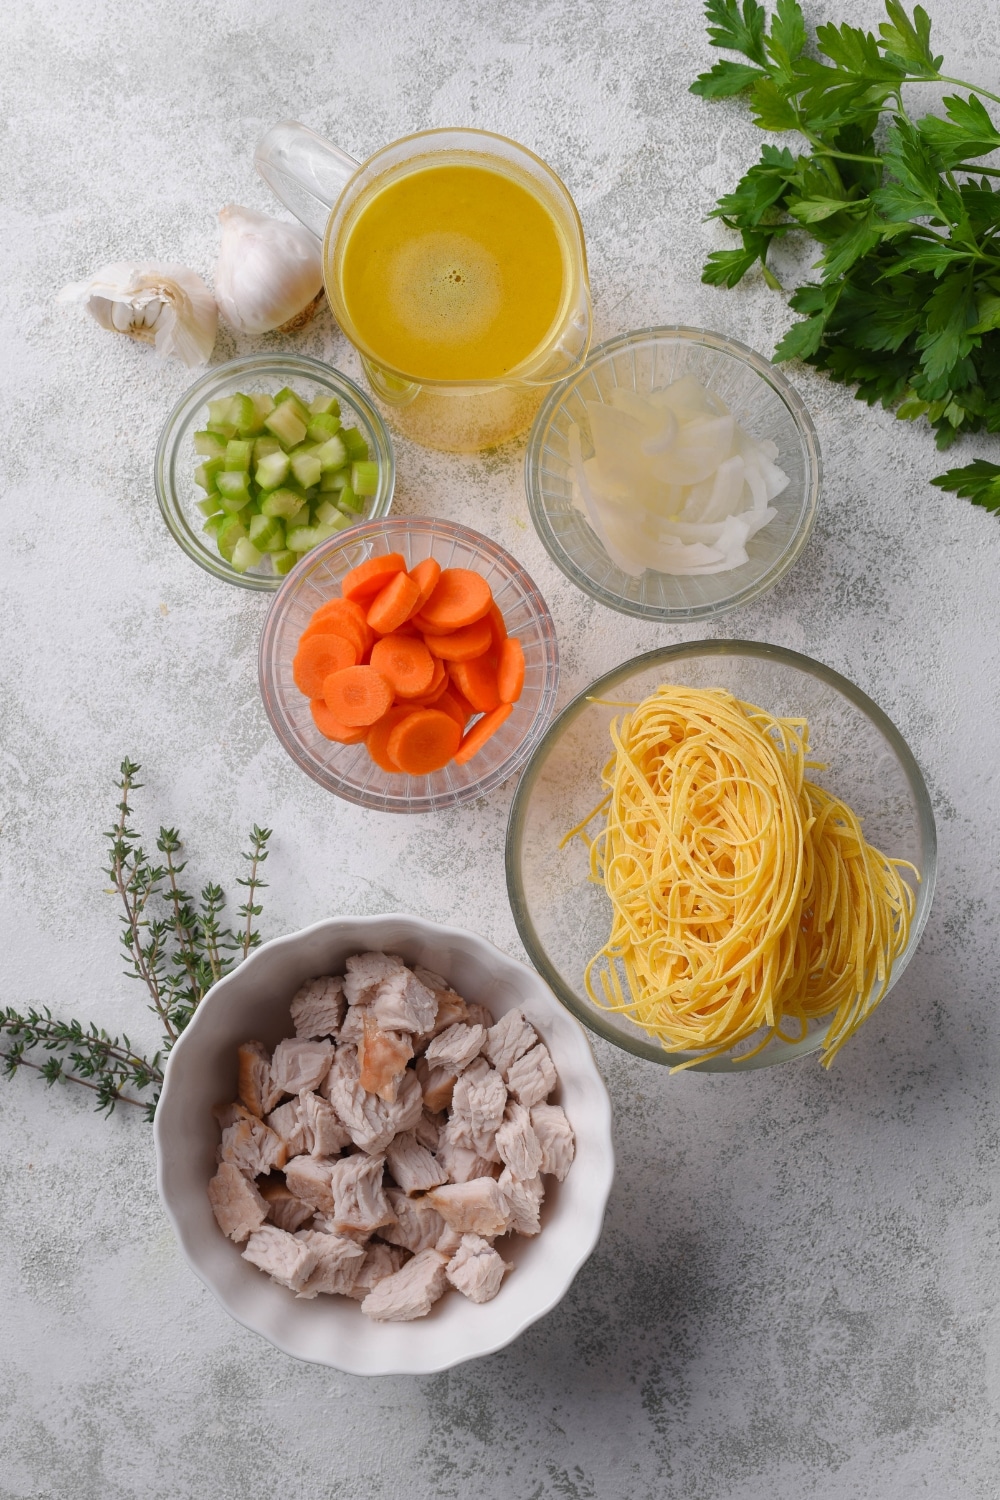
(165, 305)
(269, 274)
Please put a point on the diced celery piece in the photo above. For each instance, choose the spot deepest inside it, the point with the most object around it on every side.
(283, 562)
(307, 468)
(301, 408)
(350, 502)
(262, 446)
(238, 454)
(354, 442)
(336, 479)
(267, 534)
(214, 525)
(272, 470)
(282, 503)
(229, 534)
(209, 444)
(206, 474)
(330, 528)
(326, 512)
(246, 416)
(364, 477)
(332, 454)
(301, 538)
(286, 425)
(210, 506)
(323, 427)
(225, 430)
(233, 485)
(221, 412)
(324, 406)
(245, 555)
(302, 517)
(263, 405)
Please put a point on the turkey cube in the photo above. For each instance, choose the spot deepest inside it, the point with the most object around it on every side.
(299, 1065)
(309, 1179)
(382, 1056)
(508, 1039)
(524, 1200)
(532, 1077)
(402, 1003)
(412, 1166)
(517, 1144)
(253, 1147)
(476, 1269)
(318, 1008)
(283, 1208)
(555, 1136)
(380, 1261)
(418, 1226)
(255, 1086)
(365, 972)
(323, 1132)
(476, 1207)
(410, 1292)
(287, 1121)
(287, 1259)
(236, 1203)
(338, 1261)
(358, 1196)
(456, 1047)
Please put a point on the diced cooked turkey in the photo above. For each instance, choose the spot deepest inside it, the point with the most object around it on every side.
(402, 1003)
(323, 1132)
(358, 1195)
(450, 1006)
(532, 1077)
(449, 1241)
(479, 1015)
(380, 1261)
(253, 1147)
(238, 1206)
(286, 1258)
(412, 1165)
(508, 1039)
(338, 1260)
(324, 1222)
(371, 1122)
(456, 1047)
(428, 1129)
(437, 1084)
(555, 1136)
(524, 1200)
(299, 1065)
(517, 1144)
(476, 1207)
(382, 1056)
(318, 1007)
(287, 1121)
(254, 1083)
(353, 1028)
(477, 1106)
(418, 1226)
(228, 1114)
(461, 1162)
(476, 1269)
(410, 1292)
(283, 1208)
(365, 972)
(309, 1179)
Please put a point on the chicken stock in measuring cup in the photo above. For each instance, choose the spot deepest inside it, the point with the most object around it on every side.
(454, 262)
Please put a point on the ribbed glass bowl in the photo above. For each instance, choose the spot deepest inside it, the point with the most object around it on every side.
(763, 403)
(348, 770)
(176, 460)
(563, 919)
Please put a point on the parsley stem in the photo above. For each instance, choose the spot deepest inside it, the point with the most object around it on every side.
(960, 83)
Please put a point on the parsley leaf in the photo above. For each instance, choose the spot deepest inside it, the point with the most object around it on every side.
(978, 482)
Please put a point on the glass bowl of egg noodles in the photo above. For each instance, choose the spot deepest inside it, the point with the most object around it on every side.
(676, 476)
(619, 881)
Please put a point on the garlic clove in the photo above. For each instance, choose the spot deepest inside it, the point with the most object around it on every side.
(168, 306)
(269, 274)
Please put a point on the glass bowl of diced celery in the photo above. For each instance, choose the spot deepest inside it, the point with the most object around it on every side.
(266, 457)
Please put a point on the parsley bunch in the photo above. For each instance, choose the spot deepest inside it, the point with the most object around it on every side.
(907, 307)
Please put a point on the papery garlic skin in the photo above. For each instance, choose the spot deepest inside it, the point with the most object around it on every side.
(168, 306)
(269, 274)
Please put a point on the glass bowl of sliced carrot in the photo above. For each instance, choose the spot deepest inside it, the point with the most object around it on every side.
(409, 665)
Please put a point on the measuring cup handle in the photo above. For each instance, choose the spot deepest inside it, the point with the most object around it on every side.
(304, 171)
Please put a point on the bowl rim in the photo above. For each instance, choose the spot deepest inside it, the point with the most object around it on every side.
(782, 387)
(389, 526)
(600, 1178)
(517, 819)
(308, 368)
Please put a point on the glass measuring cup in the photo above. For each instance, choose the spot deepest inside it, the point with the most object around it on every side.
(327, 190)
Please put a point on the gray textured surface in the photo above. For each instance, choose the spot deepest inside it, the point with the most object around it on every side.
(796, 1292)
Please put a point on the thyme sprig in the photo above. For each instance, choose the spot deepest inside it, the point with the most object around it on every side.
(177, 945)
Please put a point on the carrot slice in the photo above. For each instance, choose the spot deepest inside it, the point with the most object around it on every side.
(449, 703)
(318, 656)
(342, 617)
(330, 726)
(437, 684)
(377, 737)
(461, 597)
(424, 742)
(394, 604)
(480, 732)
(425, 575)
(510, 671)
(456, 692)
(364, 582)
(405, 663)
(357, 695)
(497, 626)
(477, 681)
(462, 644)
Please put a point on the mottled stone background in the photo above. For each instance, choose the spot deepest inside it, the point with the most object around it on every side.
(796, 1291)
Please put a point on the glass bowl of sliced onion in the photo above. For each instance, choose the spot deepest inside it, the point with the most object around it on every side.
(676, 476)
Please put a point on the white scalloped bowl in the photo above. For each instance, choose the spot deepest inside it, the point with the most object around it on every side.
(253, 1001)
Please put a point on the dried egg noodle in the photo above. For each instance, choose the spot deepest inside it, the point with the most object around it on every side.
(744, 897)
